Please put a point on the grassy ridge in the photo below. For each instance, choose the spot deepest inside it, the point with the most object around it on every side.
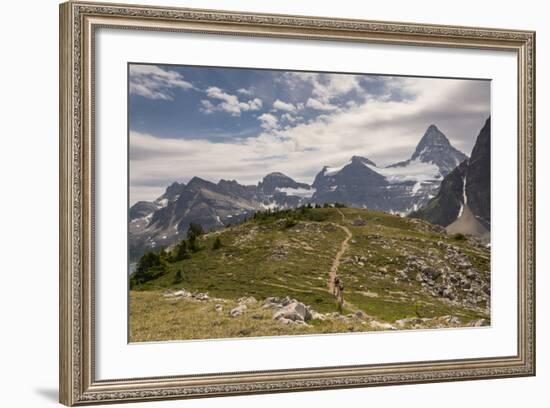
(290, 254)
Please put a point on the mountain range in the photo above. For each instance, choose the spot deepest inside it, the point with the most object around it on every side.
(404, 187)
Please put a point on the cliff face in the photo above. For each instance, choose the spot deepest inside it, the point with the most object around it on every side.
(478, 178)
(445, 207)
(468, 187)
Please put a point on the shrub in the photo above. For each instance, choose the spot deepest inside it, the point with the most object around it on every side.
(182, 251)
(193, 246)
(217, 243)
(195, 230)
(317, 216)
(179, 276)
(290, 222)
(150, 266)
(459, 237)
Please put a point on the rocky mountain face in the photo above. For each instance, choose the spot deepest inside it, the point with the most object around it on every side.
(142, 209)
(200, 201)
(478, 179)
(399, 188)
(463, 202)
(274, 182)
(435, 148)
(355, 184)
(446, 206)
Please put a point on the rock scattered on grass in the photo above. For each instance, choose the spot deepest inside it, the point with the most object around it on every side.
(238, 311)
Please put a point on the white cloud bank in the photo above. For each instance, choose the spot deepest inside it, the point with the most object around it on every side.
(381, 129)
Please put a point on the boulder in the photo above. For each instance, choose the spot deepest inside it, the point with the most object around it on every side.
(176, 294)
(430, 273)
(479, 323)
(451, 320)
(201, 296)
(294, 311)
(250, 300)
(381, 326)
(316, 315)
(238, 311)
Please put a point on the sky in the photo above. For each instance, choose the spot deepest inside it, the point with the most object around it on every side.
(241, 124)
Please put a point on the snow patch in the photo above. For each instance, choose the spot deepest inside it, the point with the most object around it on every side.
(415, 170)
(416, 187)
(299, 192)
(270, 206)
(163, 203)
(464, 197)
(460, 211)
(331, 171)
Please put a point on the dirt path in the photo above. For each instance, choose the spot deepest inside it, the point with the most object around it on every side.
(336, 262)
(343, 247)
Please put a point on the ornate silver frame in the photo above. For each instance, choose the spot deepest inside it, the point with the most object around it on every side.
(78, 22)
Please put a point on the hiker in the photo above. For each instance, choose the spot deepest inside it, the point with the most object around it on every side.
(340, 293)
(335, 286)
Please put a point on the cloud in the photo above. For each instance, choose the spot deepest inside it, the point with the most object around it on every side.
(318, 105)
(326, 87)
(268, 121)
(153, 82)
(384, 128)
(244, 91)
(284, 106)
(290, 118)
(228, 103)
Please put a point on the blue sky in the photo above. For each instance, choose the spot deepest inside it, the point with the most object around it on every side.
(236, 123)
(179, 111)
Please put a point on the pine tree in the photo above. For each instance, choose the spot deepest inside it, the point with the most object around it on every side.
(179, 276)
(181, 251)
(194, 231)
(217, 243)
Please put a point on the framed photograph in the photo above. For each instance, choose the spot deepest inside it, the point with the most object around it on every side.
(256, 203)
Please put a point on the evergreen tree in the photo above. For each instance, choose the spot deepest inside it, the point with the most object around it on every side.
(179, 276)
(181, 251)
(217, 243)
(193, 246)
(150, 266)
(195, 230)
